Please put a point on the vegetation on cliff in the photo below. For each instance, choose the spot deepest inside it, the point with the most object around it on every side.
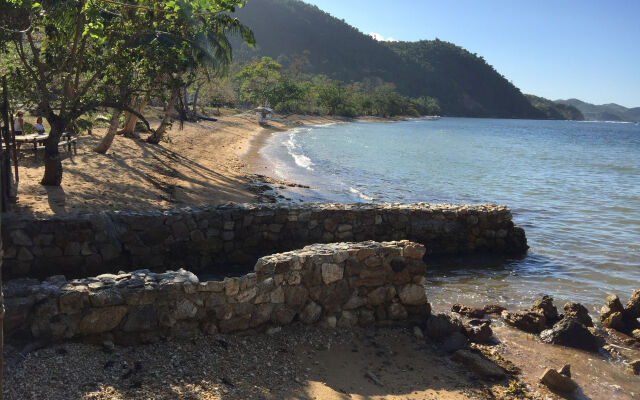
(462, 83)
(553, 110)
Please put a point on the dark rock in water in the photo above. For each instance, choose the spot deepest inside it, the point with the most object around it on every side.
(525, 320)
(478, 330)
(557, 381)
(633, 368)
(545, 307)
(479, 364)
(440, 326)
(632, 310)
(454, 341)
(493, 309)
(571, 333)
(467, 311)
(611, 313)
(579, 312)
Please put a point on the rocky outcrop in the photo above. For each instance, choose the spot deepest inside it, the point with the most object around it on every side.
(632, 309)
(214, 240)
(578, 312)
(468, 311)
(341, 284)
(545, 307)
(559, 381)
(572, 333)
(440, 326)
(479, 330)
(611, 313)
(527, 321)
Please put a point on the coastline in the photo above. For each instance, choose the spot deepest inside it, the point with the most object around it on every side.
(260, 169)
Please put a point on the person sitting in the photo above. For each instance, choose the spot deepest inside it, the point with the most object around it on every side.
(18, 124)
(38, 127)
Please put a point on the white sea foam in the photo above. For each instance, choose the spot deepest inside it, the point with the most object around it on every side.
(294, 150)
(362, 195)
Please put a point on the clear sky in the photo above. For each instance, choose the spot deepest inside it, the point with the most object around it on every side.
(558, 49)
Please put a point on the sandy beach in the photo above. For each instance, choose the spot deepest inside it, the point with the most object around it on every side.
(202, 164)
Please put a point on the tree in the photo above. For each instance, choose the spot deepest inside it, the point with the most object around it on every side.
(258, 81)
(67, 51)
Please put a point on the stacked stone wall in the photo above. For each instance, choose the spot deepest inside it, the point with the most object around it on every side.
(340, 284)
(218, 240)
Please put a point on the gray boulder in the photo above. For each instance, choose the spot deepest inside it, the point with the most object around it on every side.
(440, 326)
(556, 380)
(545, 307)
(527, 321)
(632, 310)
(611, 313)
(571, 333)
(579, 312)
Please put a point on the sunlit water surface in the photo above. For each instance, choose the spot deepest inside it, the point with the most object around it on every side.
(573, 186)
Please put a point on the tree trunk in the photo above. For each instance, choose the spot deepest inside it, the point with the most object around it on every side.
(194, 110)
(131, 119)
(111, 133)
(52, 160)
(157, 136)
(1, 329)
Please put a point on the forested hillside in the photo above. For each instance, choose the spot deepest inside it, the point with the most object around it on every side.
(604, 112)
(553, 110)
(463, 83)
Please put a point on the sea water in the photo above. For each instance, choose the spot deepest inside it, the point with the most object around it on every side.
(573, 186)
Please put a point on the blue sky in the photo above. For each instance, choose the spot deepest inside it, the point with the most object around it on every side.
(558, 49)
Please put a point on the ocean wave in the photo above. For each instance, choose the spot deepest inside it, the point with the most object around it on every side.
(292, 147)
(362, 195)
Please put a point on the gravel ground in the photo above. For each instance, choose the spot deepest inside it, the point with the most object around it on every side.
(298, 362)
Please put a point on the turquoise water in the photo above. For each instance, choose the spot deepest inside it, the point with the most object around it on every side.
(573, 186)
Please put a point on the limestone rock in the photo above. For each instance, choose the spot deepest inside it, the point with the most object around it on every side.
(571, 333)
(545, 307)
(74, 300)
(493, 309)
(106, 297)
(381, 295)
(455, 341)
(468, 311)
(396, 312)
(479, 364)
(525, 320)
(440, 326)
(633, 368)
(611, 313)
(140, 319)
(413, 295)
(557, 381)
(311, 313)
(636, 334)
(478, 330)
(578, 312)
(632, 310)
(102, 320)
(348, 319)
(331, 273)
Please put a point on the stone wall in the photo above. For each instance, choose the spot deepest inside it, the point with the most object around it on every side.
(216, 240)
(340, 284)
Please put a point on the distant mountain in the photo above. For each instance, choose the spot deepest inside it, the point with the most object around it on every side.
(553, 110)
(604, 112)
(463, 83)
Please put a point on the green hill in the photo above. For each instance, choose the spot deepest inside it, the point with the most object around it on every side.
(462, 82)
(553, 110)
(604, 112)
